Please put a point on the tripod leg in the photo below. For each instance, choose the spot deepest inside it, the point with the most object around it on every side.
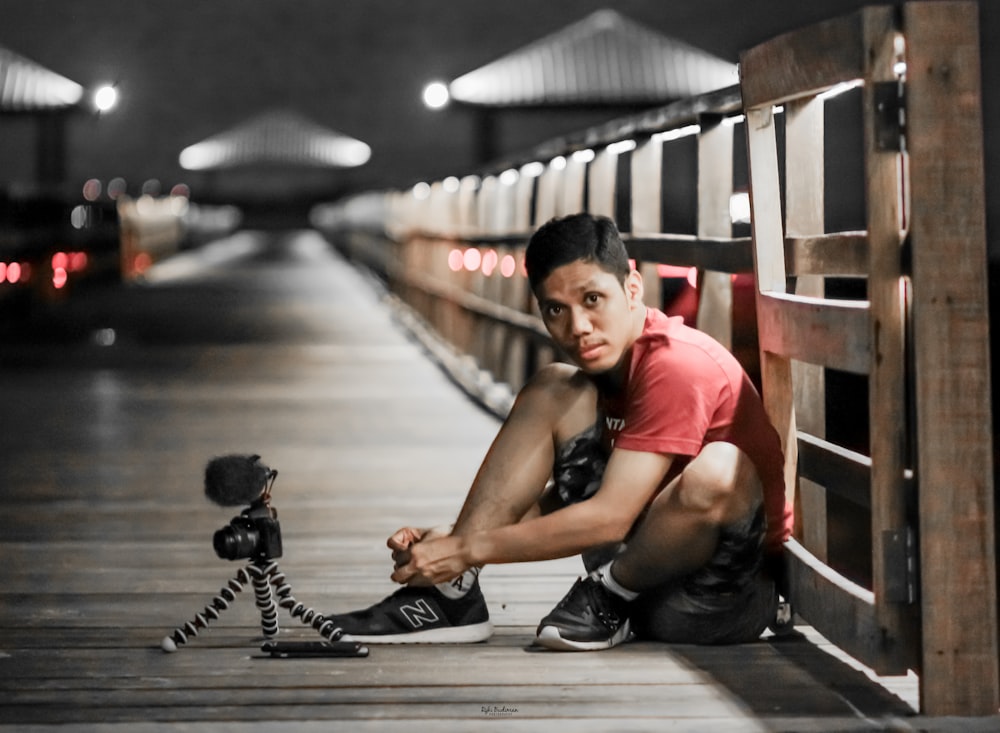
(304, 613)
(265, 598)
(220, 602)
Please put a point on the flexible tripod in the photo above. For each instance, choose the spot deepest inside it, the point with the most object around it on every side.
(263, 573)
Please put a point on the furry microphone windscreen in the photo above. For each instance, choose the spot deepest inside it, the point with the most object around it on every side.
(235, 480)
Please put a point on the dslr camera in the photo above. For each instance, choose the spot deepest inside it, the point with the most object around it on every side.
(242, 479)
(254, 533)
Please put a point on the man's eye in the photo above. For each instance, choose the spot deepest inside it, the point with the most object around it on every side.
(553, 310)
(592, 298)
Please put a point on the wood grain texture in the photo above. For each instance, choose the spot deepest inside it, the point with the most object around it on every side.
(951, 324)
(290, 353)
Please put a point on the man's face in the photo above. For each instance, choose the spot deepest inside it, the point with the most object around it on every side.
(590, 314)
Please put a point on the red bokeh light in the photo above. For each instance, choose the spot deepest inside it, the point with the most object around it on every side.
(507, 265)
(472, 259)
(490, 260)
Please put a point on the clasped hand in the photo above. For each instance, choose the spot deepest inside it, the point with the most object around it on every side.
(427, 556)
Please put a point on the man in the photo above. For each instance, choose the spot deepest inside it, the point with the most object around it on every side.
(651, 456)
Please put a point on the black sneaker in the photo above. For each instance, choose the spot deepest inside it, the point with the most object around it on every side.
(419, 615)
(589, 617)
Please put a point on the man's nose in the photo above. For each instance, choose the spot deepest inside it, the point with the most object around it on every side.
(581, 322)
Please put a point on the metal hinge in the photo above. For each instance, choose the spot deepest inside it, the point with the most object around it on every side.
(899, 557)
(890, 116)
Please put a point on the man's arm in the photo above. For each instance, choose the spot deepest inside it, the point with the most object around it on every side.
(630, 481)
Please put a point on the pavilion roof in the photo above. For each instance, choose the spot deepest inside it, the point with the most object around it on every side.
(280, 137)
(26, 86)
(603, 59)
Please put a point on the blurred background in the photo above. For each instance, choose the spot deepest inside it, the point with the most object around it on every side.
(186, 71)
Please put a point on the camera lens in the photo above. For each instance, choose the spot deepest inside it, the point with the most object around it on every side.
(235, 541)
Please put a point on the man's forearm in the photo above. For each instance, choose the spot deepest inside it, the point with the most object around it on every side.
(563, 533)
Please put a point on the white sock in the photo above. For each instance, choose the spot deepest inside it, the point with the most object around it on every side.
(458, 587)
(604, 575)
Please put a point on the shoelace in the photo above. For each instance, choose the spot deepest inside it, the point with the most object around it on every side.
(598, 599)
(604, 607)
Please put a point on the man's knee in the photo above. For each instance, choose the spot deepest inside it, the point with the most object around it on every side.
(720, 481)
(723, 463)
(557, 380)
(561, 395)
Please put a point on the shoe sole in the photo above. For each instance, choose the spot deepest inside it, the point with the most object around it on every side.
(550, 638)
(470, 634)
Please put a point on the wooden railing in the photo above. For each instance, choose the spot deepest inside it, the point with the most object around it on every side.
(453, 249)
(868, 254)
(920, 335)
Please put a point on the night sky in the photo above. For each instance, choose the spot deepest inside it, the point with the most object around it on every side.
(189, 69)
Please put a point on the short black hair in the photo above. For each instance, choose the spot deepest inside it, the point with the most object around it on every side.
(567, 239)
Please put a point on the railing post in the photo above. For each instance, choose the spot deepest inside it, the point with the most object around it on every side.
(895, 611)
(603, 172)
(647, 200)
(804, 216)
(715, 187)
(944, 136)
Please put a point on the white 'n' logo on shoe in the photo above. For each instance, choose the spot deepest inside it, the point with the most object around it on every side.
(418, 613)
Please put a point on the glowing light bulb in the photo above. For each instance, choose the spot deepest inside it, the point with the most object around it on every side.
(105, 98)
(436, 95)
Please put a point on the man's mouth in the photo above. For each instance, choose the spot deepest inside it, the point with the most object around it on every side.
(589, 352)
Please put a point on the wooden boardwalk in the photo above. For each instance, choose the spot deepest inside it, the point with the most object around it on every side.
(273, 345)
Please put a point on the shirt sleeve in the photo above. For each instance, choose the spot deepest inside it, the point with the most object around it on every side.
(671, 399)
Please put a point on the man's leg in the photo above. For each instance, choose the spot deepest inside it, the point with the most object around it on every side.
(688, 597)
(685, 613)
(680, 532)
(557, 404)
(715, 502)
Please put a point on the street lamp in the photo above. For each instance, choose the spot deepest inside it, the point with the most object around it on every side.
(105, 97)
(436, 95)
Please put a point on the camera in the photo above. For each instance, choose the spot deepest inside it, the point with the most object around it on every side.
(255, 533)
(242, 479)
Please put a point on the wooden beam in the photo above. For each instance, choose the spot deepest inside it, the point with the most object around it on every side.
(677, 114)
(769, 268)
(647, 201)
(715, 188)
(887, 376)
(833, 333)
(805, 214)
(722, 255)
(603, 174)
(843, 609)
(951, 326)
(546, 195)
(573, 179)
(442, 290)
(839, 254)
(802, 62)
(845, 472)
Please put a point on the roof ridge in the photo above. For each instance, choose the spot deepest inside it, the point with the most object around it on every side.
(604, 57)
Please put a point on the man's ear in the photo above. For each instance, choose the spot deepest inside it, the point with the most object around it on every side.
(634, 288)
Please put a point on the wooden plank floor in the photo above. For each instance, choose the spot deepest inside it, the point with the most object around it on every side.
(272, 344)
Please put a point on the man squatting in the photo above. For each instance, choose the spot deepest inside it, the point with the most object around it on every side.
(650, 455)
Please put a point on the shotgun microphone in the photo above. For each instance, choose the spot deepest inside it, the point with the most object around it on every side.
(236, 480)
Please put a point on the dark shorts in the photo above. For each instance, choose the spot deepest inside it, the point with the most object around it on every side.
(729, 600)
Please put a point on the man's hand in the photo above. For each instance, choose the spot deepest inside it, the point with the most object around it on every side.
(433, 560)
(400, 543)
(405, 538)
